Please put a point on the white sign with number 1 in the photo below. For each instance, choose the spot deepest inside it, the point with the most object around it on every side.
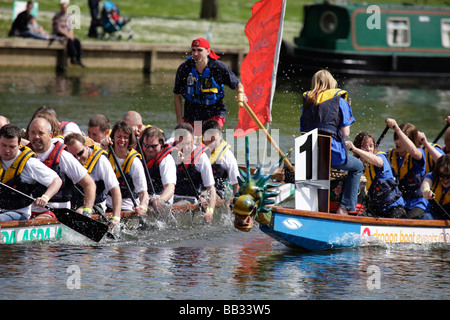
(306, 153)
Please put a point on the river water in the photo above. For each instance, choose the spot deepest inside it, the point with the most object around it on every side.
(191, 260)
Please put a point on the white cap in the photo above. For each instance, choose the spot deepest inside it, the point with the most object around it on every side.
(64, 2)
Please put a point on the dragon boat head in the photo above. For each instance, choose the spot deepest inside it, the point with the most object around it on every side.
(251, 202)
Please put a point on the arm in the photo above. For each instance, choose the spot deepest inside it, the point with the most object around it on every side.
(116, 196)
(435, 155)
(345, 131)
(52, 189)
(364, 155)
(89, 191)
(169, 190)
(211, 203)
(425, 187)
(178, 102)
(410, 147)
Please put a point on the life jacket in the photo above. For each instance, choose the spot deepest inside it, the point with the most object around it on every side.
(63, 125)
(91, 162)
(430, 162)
(409, 181)
(202, 89)
(183, 186)
(219, 172)
(380, 193)
(324, 114)
(153, 168)
(10, 200)
(443, 198)
(126, 165)
(52, 161)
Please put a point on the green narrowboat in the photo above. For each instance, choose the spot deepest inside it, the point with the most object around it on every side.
(363, 39)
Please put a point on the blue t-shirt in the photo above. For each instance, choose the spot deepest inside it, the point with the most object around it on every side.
(338, 153)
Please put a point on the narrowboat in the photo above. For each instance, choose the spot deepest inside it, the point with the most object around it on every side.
(364, 39)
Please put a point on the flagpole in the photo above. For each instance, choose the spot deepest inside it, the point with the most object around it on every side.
(241, 103)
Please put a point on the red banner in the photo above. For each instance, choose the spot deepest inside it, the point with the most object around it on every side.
(259, 67)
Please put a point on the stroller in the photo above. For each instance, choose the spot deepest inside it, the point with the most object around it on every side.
(112, 23)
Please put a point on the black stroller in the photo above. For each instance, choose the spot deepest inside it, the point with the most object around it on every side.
(114, 26)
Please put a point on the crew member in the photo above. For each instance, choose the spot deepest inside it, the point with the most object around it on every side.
(21, 170)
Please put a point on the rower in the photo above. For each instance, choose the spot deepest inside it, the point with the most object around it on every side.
(436, 185)
(123, 140)
(3, 121)
(223, 161)
(433, 151)
(55, 156)
(135, 120)
(95, 160)
(99, 127)
(160, 164)
(198, 168)
(409, 163)
(21, 170)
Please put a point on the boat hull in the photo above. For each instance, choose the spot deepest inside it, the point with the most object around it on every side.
(314, 231)
(307, 62)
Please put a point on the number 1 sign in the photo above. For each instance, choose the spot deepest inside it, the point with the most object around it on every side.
(312, 172)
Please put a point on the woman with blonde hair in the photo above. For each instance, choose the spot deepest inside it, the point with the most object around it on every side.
(326, 108)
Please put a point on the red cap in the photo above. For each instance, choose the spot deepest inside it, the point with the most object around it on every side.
(203, 43)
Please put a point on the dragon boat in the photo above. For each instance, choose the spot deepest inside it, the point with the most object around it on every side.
(44, 230)
(313, 224)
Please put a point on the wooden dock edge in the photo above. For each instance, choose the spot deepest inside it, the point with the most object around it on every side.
(149, 57)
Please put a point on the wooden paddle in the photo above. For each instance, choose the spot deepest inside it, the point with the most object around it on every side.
(116, 161)
(381, 136)
(196, 193)
(241, 103)
(441, 209)
(441, 133)
(100, 212)
(88, 227)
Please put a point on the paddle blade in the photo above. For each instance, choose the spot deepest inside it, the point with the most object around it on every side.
(88, 227)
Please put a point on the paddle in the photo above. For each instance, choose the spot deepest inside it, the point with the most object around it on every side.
(441, 133)
(116, 161)
(88, 227)
(100, 212)
(197, 195)
(144, 163)
(442, 211)
(381, 136)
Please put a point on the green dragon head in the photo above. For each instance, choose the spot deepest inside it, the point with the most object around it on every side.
(253, 198)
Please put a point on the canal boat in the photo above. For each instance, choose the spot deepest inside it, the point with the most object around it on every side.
(35, 230)
(313, 225)
(363, 39)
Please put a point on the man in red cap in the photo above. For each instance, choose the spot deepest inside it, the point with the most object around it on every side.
(201, 80)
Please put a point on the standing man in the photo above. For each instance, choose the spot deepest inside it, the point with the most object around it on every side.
(71, 172)
(62, 27)
(201, 80)
(93, 8)
(21, 170)
(95, 160)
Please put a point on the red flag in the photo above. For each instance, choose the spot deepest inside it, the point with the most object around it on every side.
(259, 67)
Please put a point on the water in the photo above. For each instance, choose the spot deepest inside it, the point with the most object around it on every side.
(191, 260)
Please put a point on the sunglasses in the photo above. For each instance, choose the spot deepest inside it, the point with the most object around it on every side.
(154, 146)
(79, 154)
(444, 176)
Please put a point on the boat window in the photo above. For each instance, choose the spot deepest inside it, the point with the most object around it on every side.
(398, 32)
(328, 22)
(445, 33)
